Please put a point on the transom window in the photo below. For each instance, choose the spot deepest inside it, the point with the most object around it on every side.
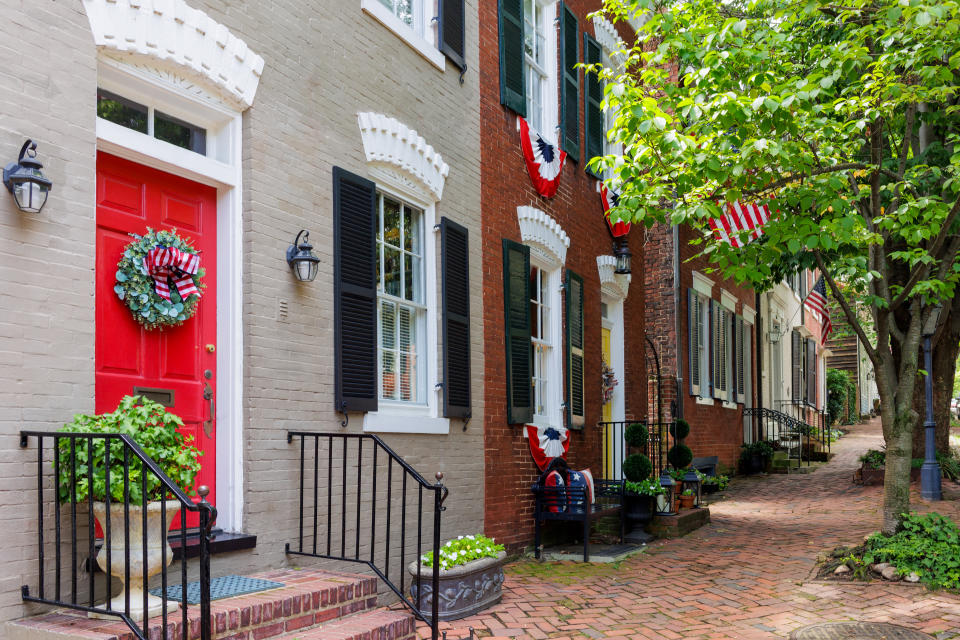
(541, 342)
(400, 297)
(535, 55)
(149, 121)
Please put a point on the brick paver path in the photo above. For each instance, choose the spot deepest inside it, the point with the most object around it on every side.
(746, 575)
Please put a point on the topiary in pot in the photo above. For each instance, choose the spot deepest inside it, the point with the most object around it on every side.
(680, 456)
(637, 467)
(637, 435)
(680, 429)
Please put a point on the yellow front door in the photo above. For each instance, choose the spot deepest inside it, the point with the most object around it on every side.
(607, 410)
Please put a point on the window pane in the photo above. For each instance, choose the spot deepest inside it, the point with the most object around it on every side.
(391, 271)
(389, 375)
(391, 221)
(411, 230)
(121, 111)
(388, 322)
(179, 133)
(404, 11)
(412, 273)
(407, 355)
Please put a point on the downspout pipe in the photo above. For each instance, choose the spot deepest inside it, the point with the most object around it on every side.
(678, 317)
(759, 351)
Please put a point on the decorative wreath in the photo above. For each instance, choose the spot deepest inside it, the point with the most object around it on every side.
(159, 279)
(608, 382)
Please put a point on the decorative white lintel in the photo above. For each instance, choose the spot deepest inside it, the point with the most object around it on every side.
(389, 142)
(171, 34)
(616, 285)
(728, 300)
(749, 315)
(537, 228)
(702, 284)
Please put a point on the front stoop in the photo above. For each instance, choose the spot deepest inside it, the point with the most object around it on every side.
(382, 624)
(308, 598)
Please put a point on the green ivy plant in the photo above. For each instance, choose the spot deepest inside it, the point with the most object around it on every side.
(928, 545)
(135, 287)
(152, 427)
(644, 488)
(462, 550)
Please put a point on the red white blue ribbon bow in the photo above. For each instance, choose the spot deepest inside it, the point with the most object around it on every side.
(544, 160)
(165, 263)
(547, 443)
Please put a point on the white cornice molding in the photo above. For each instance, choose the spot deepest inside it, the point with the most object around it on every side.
(607, 34)
(538, 228)
(171, 33)
(388, 141)
(615, 285)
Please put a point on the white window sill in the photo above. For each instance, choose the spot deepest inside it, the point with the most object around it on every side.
(394, 420)
(384, 16)
(705, 401)
(729, 405)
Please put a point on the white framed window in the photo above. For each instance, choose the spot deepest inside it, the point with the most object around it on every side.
(540, 57)
(412, 21)
(700, 336)
(545, 343)
(401, 308)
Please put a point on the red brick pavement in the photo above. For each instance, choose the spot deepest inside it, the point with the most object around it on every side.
(746, 575)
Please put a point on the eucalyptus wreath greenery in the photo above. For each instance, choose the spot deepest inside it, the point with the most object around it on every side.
(152, 427)
(135, 287)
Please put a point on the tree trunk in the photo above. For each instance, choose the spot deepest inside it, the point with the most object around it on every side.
(896, 482)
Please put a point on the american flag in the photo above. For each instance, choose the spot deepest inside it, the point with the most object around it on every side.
(740, 217)
(817, 303)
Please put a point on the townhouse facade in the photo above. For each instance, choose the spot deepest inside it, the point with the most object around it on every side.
(244, 129)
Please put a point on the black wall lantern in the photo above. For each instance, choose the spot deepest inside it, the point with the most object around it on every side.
(691, 482)
(621, 251)
(301, 259)
(26, 181)
(667, 501)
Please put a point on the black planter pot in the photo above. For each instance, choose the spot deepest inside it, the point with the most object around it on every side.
(757, 463)
(710, 488)
(639, 509)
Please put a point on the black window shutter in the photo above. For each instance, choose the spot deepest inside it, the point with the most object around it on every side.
(516, 303)
(355, 292)
(811, 371)
(456, 319)
(693, 338)
(575, 366)
(452, 23)
(796, 359)
(711, 343)
(512, 83)
(570, 83)
(593, 134)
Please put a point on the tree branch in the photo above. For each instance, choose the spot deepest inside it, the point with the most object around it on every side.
(847, 311)
(845, 166)
(923, 270)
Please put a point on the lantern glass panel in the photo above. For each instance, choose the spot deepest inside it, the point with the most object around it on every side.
(30, 196)
(691, 482)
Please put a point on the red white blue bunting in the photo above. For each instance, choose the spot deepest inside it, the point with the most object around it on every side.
(611, 198)
(544, 160)
(547, 443)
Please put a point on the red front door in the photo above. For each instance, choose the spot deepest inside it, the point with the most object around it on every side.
(177, 363)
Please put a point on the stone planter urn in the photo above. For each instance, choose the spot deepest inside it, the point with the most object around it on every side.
(139, 578)
(464, 590)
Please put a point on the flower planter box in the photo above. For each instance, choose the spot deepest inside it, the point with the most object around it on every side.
(464, 590)
(870, 476)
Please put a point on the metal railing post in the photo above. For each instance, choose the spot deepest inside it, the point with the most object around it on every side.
(435, 600)
(207, 515)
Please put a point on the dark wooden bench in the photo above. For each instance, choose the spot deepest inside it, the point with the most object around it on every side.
(707, 466)
(570, 504)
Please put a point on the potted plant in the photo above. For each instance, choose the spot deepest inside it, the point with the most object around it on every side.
(686, 499)
(471, 577)
(156, 431)
(755, 457)
(712, 484)
(873, 467)
(639, 498)
(679, 456)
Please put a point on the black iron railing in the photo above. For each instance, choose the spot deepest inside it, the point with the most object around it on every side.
(615, 450)
(68, 539)
(799, 434)
(346, 479)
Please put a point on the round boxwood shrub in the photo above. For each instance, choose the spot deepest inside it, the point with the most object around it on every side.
(637, 467)
(680, 456)
(637, 435)
(680, 429)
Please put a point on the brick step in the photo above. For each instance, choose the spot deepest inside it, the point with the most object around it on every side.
(381, 624)
(309, 597)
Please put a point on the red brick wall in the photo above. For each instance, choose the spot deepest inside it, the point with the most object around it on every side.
(505, 185)
(714, 429)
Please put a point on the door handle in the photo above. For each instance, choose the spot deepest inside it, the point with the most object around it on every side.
(208, 396)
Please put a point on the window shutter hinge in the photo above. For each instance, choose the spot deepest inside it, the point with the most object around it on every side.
(435, 19)
(438, 386)
(436, 227)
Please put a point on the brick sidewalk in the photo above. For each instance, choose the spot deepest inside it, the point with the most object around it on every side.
(746, 575)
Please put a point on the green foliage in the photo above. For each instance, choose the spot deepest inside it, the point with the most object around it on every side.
(136, 288)
(677, 473)
(644, 487)
(152, 427)
(874, 459)
(721, 481)
(760, 448)
(462, 550)
(637, 435)
(928, 545)
(687, 492)
(680, 429)
(637, 467)
(841, 396)
(949, 465)
(680, 456)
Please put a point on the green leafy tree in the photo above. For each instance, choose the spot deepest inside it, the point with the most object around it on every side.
(843, 117)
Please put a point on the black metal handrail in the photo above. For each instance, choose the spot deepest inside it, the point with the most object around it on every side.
(614, 446)
(779, 427)
(207, 516)
(319, 476)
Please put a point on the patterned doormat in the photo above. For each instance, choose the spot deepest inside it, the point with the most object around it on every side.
(222, 587)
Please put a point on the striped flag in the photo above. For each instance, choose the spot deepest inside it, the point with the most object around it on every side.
(816, 302)
(738, 218)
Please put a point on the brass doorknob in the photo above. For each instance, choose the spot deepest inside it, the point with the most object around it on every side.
(211, 348)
